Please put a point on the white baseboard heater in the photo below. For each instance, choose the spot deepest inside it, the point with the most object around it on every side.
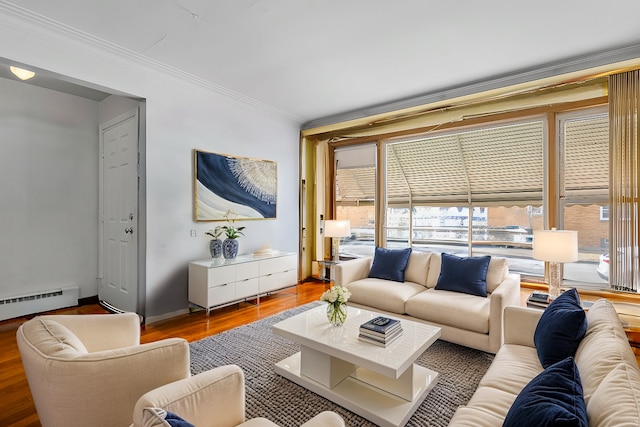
(37, 302)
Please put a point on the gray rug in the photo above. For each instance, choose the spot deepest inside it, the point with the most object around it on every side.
(256, 349)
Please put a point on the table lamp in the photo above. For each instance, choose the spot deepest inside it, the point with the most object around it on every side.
(556, 247)
(336, 229)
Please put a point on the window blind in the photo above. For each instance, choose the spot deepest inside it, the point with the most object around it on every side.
(499, 163)
(585, 158)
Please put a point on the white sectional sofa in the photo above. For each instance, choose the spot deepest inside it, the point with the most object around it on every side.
(469, 320)
(607, 368)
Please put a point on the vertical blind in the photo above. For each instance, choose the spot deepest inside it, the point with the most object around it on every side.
(624, 106)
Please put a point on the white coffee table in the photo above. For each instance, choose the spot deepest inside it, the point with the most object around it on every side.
(381, 384)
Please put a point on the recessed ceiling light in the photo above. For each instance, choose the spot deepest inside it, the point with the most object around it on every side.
(22, 74)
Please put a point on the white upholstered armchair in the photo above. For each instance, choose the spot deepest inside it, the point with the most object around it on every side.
(91, 370)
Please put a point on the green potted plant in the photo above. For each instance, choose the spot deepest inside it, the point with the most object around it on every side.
(215, 245)
(230, 244)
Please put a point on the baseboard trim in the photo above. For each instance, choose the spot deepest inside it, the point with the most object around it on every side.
(88, 300)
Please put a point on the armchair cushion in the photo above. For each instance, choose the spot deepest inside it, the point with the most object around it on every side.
(53, 339)
(390, 264)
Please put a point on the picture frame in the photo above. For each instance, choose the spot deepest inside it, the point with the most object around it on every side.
(243, 186)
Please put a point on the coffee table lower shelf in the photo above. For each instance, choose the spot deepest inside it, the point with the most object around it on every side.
(363, 391)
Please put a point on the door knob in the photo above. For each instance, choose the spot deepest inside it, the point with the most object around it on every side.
(129, 230)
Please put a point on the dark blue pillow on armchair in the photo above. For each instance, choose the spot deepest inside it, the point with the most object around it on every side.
(177, 421)
(560, 329)
(390, 264)
(553, 398)
(467, 275)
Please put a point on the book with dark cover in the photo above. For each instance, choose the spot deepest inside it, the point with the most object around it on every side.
(539, 297)
(381, 324)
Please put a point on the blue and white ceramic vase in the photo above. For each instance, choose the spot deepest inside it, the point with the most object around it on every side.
(215, 247)
(230, 248)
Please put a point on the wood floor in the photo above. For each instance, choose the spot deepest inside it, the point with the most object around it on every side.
(16, 405)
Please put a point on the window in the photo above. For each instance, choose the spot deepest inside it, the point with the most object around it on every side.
(584, 190)
(355, 197)
(480, 190)
(471, 191)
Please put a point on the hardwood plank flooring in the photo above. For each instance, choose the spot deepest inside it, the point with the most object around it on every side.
(16, 405)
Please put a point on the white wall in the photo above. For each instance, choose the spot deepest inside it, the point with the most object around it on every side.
(180, 115)
(48, 190)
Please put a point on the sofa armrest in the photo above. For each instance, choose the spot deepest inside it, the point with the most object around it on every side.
(352, 270)
(100, 332)
(506, 294)
(325, 419)
(214, 397)
(520, 324)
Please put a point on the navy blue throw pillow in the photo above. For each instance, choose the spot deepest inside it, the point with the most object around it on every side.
(176, 421)
(560, 329)
(553, 398)
(390, 264)
(467, 275)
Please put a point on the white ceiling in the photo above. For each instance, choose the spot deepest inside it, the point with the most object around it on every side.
(309, 59)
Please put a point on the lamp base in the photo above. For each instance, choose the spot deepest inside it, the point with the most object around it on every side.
(555, 280)
(335, 248)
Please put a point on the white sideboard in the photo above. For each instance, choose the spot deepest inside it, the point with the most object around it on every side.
(215, 282)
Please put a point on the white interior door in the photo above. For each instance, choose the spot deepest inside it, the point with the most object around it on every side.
(119, 243)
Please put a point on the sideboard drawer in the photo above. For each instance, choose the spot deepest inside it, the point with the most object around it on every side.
(221, 294)
(221, 275)
(247, 288)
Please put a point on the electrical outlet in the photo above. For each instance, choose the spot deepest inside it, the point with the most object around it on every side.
(193, 233)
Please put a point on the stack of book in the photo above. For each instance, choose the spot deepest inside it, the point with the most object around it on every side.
(380, 331)
(538, 299)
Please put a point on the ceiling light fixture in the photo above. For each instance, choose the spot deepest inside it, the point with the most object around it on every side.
(22, 73)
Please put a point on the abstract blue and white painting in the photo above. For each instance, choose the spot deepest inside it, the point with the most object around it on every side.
(247, 187)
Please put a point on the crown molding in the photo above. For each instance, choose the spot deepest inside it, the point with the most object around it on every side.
(45, 26)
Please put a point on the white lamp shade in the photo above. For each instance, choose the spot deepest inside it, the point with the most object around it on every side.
(337, 228)
(555, 245)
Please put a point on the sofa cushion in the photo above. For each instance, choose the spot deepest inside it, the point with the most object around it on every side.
(560, 329)
(616, 401)
(496, 273)
(455, 309)
(604, 347)
(383, 295)
(435, 262)
(518, 363)
(464, 274)
(554, 397)
(418, 267)
(389, 264)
